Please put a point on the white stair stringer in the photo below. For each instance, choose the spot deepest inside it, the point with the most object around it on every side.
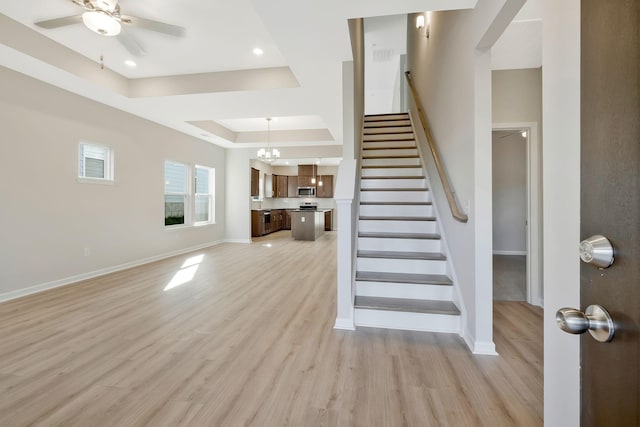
(402, 278)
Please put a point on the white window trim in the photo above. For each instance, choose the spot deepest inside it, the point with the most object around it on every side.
(190, 199)
(109, 165)
(211, 194)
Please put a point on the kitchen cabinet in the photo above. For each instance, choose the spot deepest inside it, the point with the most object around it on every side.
(255, 182)
(292, 184)
(326, 189)
(306, 173)
(268, 221)
(287, 219)
(257, 223)
(281, 186)
(328, 220)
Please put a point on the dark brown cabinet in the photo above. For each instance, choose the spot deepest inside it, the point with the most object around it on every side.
(265, 222)
(287, 219)
(255, 182)
(328, 220)
(306, 174)
(326, 189)
(281, 186)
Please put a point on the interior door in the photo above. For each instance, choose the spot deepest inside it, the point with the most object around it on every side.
(610, 206)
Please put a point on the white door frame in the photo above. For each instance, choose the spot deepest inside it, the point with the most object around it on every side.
(534, 211)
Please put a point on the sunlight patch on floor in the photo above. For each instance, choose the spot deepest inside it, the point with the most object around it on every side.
(186, 273)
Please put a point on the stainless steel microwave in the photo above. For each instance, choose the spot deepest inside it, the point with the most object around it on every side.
(306, 191)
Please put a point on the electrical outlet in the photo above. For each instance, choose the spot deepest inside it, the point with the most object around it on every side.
(87, 251)
(302, 219)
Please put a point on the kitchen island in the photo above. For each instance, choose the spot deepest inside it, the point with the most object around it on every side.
(307, 224)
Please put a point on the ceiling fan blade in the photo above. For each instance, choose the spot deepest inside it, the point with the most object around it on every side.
(159, 27)
(130, 43)
(60, 22)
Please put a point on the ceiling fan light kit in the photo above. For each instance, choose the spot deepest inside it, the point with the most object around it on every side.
(101, 22)
(103, 17)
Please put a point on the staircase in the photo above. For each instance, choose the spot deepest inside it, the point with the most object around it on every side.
(401, 278)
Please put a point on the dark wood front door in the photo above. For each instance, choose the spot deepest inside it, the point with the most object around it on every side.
(610, 206)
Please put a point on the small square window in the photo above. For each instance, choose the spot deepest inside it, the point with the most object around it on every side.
(95, 162)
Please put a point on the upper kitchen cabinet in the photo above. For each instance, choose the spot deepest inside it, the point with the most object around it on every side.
(326, 189)
(281, 186)
(255, 182)
(306, 173)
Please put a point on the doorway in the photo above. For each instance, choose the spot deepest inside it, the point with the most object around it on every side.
(516, 213)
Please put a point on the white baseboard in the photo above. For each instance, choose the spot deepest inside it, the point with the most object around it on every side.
(479, 347)
(344, 323)
(509, 252)
(485, 347)
(19, 293)
(237, 240)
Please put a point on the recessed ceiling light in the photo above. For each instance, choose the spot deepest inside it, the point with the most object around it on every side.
(257, 51)
(130, 63)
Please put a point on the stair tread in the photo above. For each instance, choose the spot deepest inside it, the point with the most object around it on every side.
(395, 189)
(391, 166)
(399, 147)
(399, 156)
(394, 177)
(418, 279)
(389, 235)
(405, 129)
(402, 137)
(396, 203)
(406, 305)
(368, 116)
(398, 218)
(433, 256)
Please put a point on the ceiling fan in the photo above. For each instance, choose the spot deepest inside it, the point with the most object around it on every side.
(104, 17)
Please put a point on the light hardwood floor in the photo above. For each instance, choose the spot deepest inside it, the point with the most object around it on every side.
(250, 341)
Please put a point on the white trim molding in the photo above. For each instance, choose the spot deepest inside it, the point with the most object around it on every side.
(19, 293)
(534, 209)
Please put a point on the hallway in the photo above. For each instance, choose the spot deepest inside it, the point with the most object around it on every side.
(243, 335)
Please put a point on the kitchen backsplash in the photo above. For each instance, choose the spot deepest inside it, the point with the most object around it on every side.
(292, 203)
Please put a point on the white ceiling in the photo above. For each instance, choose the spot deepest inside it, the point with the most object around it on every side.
(307, 40)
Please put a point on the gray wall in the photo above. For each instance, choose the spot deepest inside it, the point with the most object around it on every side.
(509, 193)
(49, 218)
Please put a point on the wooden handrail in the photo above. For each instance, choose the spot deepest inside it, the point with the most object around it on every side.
(453, 204)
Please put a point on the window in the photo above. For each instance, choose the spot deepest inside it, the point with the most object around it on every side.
(204, 195)
(175, 193)
(185, 204)
(95, 163)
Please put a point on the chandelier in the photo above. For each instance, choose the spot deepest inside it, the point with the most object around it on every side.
(266, 154)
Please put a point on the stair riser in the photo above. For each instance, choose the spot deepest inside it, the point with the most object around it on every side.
(376, 118)
(395, 196)
(394, 183)
(392, 162)
(387, 129)
(387, 123)
(393, 172)
(399, 245)
(396, 210)
(412, 266)
(397, 226)
(389, 137)
(407, 321)
(390, 153)
(404, 290)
